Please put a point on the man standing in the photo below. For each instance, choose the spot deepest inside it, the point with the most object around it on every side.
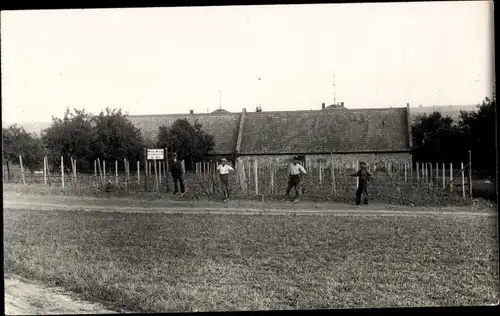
(176, 171)
(294, 180)
(364, 177)
(223, 169)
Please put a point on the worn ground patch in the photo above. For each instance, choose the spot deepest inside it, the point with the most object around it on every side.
(26, 297)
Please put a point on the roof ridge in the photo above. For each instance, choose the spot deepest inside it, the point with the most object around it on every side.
(185, 114)
(331, 111)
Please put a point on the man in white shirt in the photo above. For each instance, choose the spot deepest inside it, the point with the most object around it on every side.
(294, 180)
(223, 169)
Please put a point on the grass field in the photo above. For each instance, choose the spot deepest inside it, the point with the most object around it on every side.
(188, 262)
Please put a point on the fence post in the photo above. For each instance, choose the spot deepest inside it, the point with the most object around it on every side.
(357, 178)
(159, 171)
(411, 170)
(406, 176)
(22, 169)
(451, 177)
(240, 169)
(470, 174)
(95, 168)
(74, 172)
(62, 171)
(320, 175)
(418, 172)
(104, 170)
(138, 172)
(48, 170)
(100, 171)
(333, 179)
(166, 159)
(463, 179)
(424, 172)
(256, 175)
(271, 171)
(116, 172)
(127, 167)
(156, 173)
(45, 169)
(430, 173)
(71, 173)
(437, 173)
(444, 176)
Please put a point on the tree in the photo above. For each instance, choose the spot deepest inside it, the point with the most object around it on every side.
(436, 138)
(17, 142)
(188, 141)
(477, 133)
(433, 137)
(69, 137)
(115, 137)
(109, 136)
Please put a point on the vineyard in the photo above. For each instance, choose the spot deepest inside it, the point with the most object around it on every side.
(399, 183)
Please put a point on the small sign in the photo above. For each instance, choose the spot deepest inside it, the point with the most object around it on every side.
(155, 154)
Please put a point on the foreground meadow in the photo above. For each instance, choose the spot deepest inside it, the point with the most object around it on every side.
(194, 262)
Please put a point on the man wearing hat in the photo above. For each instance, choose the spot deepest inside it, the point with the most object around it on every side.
(223, 169)
(176, 171)
(364, 176)
(294, 180)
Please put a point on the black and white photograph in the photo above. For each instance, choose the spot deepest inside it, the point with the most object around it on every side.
(330, 156)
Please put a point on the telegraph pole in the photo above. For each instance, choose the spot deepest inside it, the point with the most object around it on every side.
(334, 92)
(220, 100)
(259, 92)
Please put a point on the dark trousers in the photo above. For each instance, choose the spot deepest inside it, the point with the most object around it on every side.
(225, 184)
(362, 189)
(293, 181)
(178, 179)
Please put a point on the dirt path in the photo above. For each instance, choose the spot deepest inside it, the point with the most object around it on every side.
(24, 297)
(234, 207)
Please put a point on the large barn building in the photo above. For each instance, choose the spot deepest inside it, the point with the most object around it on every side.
(372, 135)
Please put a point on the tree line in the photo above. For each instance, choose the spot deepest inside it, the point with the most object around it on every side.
(108, 136)
(438, 138)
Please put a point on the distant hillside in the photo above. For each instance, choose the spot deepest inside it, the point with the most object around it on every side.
(30, 127)
(451, 111)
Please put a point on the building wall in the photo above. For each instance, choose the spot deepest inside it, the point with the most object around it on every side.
(312, 161)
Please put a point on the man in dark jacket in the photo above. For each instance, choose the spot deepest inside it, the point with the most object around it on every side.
(176, 171)
(364, 177)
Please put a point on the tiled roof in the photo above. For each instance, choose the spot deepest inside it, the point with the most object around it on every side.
(224, 127)
(342, 130)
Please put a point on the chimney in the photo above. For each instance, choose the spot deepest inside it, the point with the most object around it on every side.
(191, 112)
(244, 110)
(322, 105)
(342, 104)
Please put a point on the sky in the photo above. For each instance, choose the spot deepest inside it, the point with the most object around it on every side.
(172, 60)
